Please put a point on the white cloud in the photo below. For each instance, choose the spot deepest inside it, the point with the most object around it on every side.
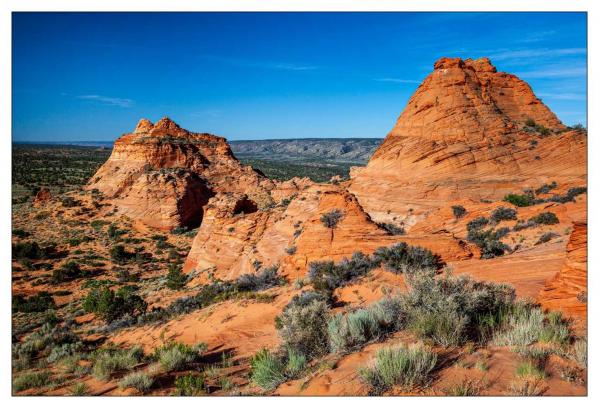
(108, 100)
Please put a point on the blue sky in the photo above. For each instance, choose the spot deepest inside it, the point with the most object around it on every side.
(92, 76)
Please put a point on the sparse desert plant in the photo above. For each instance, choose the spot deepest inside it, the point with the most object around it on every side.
(111, 305)
(267, 370)
(392, 228)
(175, 278)
(31, 380)
(546, 188)
(546, 218)
(326, 276)
(190, 385)
(452, 310)
(477, 223)
(79, 390)
(528, 387)
(401, 258)
(39, 302)
(296, 363)
(546, 237)
(579, 351)
(489, 241)
(67, 272)
(404, 366)
(174, 356)
(530, 370)
(519, 200)
(354, 329)
(303, 326)
(331, 218)
(138, 380)
(265, 279)
(502, 214)
(464, 388)
(108, 361)
(522, 328)
(458, 211)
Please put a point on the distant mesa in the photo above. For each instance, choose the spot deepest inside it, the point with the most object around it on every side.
(163, 175)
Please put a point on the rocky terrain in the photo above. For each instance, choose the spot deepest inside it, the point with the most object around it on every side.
(459, 249)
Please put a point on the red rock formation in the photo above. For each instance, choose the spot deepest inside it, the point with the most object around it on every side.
(464, 134)
(42, 197)
(567, 290)
(163, 175)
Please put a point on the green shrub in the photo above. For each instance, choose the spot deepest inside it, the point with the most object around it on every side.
(190, 385)
(109, 305)
(267, 278)
(67, 272)
(528, 369)
(489, 242)
(458, 211)
(503, 214)
(546, 218)
(296, 363)
(176, 356)
(452, 310)
(79, 390)
(354, 329)
(519, 200)
(31, 380)
(28, 250)
(268, 371)
(303, 326)
(36, 303)
(404, 366)
(175, 278)
(108, 361)
(332, 218)
(477, 223)
(402, 257)
(120, 255)
(325, 276)
(526, 324)
(138, 380)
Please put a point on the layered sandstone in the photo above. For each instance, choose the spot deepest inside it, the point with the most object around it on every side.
(164, 175)
(466, 134)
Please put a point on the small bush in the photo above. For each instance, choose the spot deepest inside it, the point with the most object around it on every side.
(519, 200)
(529, 370)
(109, 305)
(106, 362)
(36, 303)
(332, 218)
(326, 275)
(402, 257)
(28, 250)
(175, 278)
(489, 242)
(31, 380)
(452, 310)
(190, 385)
(502, 214)
(79, 390)
(296, 363)
(477, 223)
(120, 255)
(176, 356)
(546, 237)
(267, 370)
(354, 329)
(303, 325)
(68, 272)
(546, 218)
(392, 228)
(546, 188)
(267, 278)
(458, 211)
(139, 380)
(520, 225)
(407, 367)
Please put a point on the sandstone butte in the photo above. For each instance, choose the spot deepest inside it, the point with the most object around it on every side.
(465, 138)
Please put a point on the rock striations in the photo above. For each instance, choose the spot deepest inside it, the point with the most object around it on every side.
(163, 175)
(467, 132)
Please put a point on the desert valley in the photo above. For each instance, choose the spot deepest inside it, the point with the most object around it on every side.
(454, 262)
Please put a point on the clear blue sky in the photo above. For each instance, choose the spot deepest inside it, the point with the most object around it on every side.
(92, 76)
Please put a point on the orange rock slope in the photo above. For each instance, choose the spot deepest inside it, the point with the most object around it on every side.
(467, 132)
(163, 175)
